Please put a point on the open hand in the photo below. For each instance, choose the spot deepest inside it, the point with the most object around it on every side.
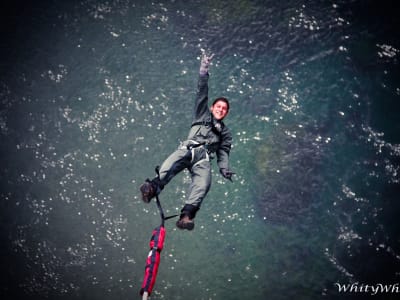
(226, 173)
(205, 62)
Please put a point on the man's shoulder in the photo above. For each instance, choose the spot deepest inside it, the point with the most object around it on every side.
(226, 132)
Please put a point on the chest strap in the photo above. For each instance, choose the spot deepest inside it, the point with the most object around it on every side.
(204, 123)
(217, 131)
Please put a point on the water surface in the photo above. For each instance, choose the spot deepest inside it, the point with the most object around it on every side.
(94, 94)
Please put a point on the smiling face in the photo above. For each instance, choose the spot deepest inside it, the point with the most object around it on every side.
(219, 110)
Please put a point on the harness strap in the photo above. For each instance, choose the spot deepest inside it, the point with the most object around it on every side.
(201, 160)
(204, 123)
(194, 145)
(211, 124)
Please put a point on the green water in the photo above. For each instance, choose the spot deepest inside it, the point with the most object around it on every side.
(95, 94)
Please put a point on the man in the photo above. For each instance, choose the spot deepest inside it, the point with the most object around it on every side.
(208, 136)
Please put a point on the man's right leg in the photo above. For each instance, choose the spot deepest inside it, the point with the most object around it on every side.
(175, 163)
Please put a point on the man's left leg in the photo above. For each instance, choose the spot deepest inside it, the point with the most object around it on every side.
(175, 163)
(201, 182)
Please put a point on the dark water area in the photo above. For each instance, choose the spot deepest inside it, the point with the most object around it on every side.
(95, 94)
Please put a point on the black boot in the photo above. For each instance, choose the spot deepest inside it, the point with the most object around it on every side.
(185, 223)
(188, 213)
(150, 189)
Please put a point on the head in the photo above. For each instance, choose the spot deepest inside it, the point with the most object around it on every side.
(220, 108)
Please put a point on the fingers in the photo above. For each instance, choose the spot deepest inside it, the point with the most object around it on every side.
(209, 57)
(227, 174)
(205, 57)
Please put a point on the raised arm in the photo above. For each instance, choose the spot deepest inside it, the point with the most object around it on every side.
(201, 105)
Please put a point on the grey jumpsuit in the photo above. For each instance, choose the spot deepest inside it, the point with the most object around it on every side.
(213, 137)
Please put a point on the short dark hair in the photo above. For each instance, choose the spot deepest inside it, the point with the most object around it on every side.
(221, 99)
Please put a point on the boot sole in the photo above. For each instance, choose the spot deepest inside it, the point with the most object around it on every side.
(187, 225)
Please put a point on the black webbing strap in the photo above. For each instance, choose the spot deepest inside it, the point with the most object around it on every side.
(204, 123)
(211, 124)
(191, 146)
